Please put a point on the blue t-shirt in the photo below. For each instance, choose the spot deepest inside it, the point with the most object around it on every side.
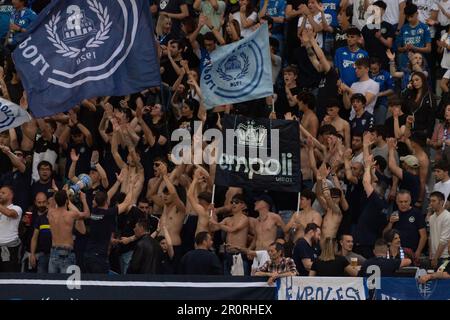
(344, 60)
(418, 37)
(385, 81)
(22, 18)
(275, 9)
(409, 224)
(331, 7)
(5, 14)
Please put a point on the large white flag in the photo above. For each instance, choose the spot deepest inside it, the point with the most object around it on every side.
(238, 72)
(11, 115)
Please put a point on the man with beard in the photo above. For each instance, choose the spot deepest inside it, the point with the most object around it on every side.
(9, 234)
(41, 242)
(305, 250)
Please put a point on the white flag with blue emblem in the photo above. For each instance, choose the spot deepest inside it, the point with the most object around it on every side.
(11, 115)
(238, 72)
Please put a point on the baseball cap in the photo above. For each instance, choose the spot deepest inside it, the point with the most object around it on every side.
(266, 198)
(410, 160)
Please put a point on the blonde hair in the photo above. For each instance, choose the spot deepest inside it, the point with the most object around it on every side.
(160, 24)
(328, 250)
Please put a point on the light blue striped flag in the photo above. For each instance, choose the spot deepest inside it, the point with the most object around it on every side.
(238, 72)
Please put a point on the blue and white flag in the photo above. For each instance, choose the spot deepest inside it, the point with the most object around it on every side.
(238, 72)
(78, 49)
(11, 115)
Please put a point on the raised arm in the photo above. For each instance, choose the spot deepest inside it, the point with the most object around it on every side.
(114, 150)
(393, 166)
(179, 204)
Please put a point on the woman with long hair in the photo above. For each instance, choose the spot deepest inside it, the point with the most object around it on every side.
(246, 17)
(441, 137)
(395, 251)
(164, 30)
(421, 105)
(417, 63)
(331, 265)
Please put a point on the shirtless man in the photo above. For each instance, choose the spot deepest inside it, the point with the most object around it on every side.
(342, 126)
(62, 215)
(200, 202)
(133, 167)
(174, 210)
(300, 220)
(236, 227)
(306, 104)
(266, 224)
(330, 200)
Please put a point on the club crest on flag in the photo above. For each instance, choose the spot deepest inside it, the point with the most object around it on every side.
(77, 26)
(251, 135)
(79, 49)
(238, 72)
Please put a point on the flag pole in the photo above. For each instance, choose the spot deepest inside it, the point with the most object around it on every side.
(298, 201)
(212, 199)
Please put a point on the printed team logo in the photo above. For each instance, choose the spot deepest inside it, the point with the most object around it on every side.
(360, 55)
(7, 116)
(83, 43)
(231, 74)
(426, 289)
(251, 135)
(78, 26)
(420, 31)
(412, 219)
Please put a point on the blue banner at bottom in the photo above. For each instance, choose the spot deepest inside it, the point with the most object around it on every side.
(411, 289)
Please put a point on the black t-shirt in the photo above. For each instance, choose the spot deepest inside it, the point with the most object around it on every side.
(411, 183)
(15, 91)
(409, 224)
(102, 225)
(126, 223)
(327, 91)
(388, 267)
(332, 268)
(374, 46)
(37, 187)
(308, 76)
(389, 125)
(84, 162)
(21, 186)
(169, 75)
(5, 163)
(202, 262)
(293, 41)
(303, 250)
(356, 197)
(340, 38)
(172, 6)
(362, 124)
(282, 103)
(372, 220)
(45, 235)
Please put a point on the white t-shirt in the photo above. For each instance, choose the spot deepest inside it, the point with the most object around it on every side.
(392, 13)
(9, 227)
(443, 187)
(318, 19)
(261, 257)
(363, 87)
(359, 20)
(247, 31)
(424, 7)
(442, 18)
(213, 15)
(440, 231)
(445, 62)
